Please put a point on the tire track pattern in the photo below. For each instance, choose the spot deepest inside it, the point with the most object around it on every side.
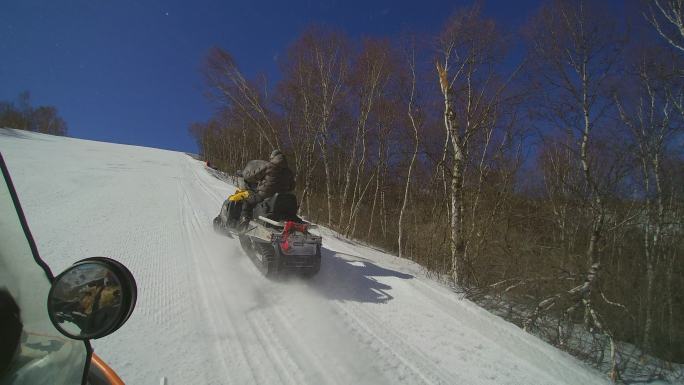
(257, 344)
(262, 341)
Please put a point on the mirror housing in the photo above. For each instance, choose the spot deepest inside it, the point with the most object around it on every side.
(92, 298)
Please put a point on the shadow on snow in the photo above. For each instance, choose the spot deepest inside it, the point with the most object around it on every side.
(348, 277)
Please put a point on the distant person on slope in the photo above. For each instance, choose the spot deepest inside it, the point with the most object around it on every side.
(263, 180)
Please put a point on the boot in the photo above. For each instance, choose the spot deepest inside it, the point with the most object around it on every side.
(244, 224)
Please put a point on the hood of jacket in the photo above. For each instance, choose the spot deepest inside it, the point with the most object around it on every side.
(278, 159)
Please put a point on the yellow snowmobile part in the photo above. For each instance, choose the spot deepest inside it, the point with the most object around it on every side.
(238, 196)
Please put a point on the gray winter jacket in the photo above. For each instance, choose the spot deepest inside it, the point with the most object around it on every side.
(270, 177)
(250, 169)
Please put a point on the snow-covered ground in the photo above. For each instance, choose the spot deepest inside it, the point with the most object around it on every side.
(205, 315)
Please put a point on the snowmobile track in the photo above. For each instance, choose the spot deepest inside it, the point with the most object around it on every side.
(391, 350)
(249, 328)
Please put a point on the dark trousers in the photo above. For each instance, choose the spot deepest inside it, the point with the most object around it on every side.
(248, 204)
(230, 212)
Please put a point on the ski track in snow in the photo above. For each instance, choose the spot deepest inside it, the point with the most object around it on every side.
(205, 315)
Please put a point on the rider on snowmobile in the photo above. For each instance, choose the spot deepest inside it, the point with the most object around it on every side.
(263, 180)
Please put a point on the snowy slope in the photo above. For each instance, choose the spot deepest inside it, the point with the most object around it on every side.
(205, 315)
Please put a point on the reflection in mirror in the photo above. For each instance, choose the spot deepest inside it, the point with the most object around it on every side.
(86, 300)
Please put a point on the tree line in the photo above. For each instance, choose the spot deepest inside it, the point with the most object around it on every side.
(541, 172)
(21, 115)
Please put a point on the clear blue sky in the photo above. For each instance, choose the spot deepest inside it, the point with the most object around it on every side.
(127, 71)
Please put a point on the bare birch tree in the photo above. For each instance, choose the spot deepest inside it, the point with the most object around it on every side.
(578, 49)
(469, 51)
(231, 88)
(325, 55)
(667, 17)
(416, 121)
(370, 75)
(652, 121)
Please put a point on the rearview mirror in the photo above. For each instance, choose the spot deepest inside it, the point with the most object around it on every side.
(92, 298)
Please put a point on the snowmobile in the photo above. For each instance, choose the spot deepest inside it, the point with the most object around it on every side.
(276, 239)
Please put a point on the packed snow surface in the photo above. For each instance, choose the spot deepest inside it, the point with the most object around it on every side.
(205, 315)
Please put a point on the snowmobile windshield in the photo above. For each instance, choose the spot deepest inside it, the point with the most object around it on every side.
(43, 355)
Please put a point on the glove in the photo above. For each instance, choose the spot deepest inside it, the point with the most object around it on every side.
(239, 195)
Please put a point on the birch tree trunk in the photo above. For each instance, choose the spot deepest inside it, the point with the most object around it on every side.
(456, 180)
(650, 126)
(326, 167)
(414, 125)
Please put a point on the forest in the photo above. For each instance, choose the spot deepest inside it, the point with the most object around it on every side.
(538, 170)
(22, 116)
